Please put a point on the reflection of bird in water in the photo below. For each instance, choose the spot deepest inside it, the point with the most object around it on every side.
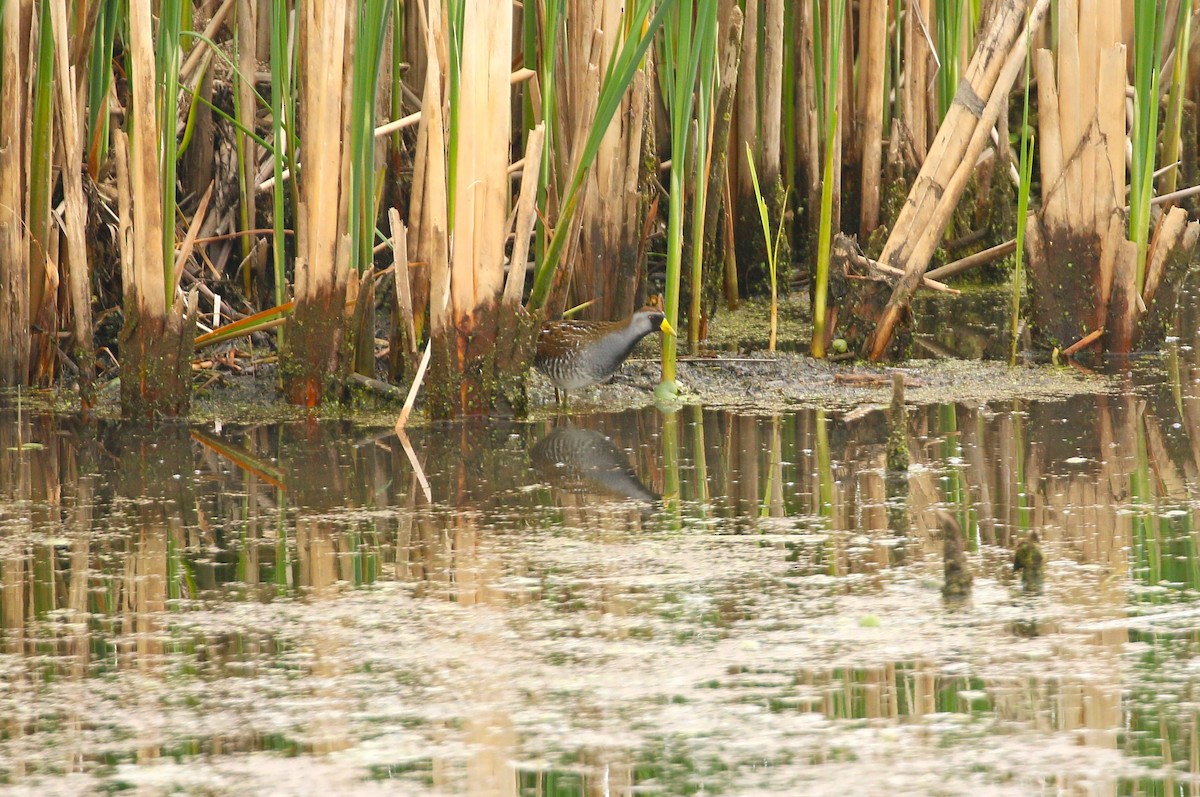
(1028, 561)
(956, 571)
(581, 460)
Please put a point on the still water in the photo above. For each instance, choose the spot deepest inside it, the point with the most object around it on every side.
(637, 603)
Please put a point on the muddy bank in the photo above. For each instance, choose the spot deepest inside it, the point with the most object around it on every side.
(788, 380)
(733, 371)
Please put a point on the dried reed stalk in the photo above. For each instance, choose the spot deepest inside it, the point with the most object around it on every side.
(75, 204)
(404, 302)
(324, 25)
(247, 25)
(477, 265)
(1083, 138)
(872, 66)
(429, 221)
(148, 286)
(606, 271)
(14, 249)
(747, 108)
(771, 113)
(526, 215)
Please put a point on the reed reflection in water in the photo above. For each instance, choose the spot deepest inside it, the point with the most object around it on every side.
(632, 600)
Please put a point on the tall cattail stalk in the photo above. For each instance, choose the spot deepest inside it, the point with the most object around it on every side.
(314, 356)
(1023, 190)
(282, 120)
(1149, 20)
(368, 60)
(75, 206)
(829, 69)
(1172, 132)
(720, 268)
(14, 249)
(100, 82)
(690, 42)
(873, 70)
(700, 166)
(245, 109)
(43, 270)
(156, 340)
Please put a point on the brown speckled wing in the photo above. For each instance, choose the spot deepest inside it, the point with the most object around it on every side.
(563, 337)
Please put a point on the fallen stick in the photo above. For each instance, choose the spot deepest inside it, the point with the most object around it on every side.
(377, 386)
(1084, 342)
(926, 281)
(971, 261)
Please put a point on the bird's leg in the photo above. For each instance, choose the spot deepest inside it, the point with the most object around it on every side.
(557, 397)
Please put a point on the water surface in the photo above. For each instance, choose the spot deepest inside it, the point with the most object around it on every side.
(636, 603)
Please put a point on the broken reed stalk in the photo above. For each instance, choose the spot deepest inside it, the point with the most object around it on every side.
(526, 214)
(771, 107)
(1085, 274)
(960, 140)
(481, 194)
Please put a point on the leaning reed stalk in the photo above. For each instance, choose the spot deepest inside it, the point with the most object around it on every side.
(618, 75)
(1148, 30)
(825, 229)
(691, 35)
(169, 26)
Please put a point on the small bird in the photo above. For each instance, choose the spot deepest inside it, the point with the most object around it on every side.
(575, 354)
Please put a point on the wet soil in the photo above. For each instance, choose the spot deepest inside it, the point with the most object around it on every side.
(732, 370)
